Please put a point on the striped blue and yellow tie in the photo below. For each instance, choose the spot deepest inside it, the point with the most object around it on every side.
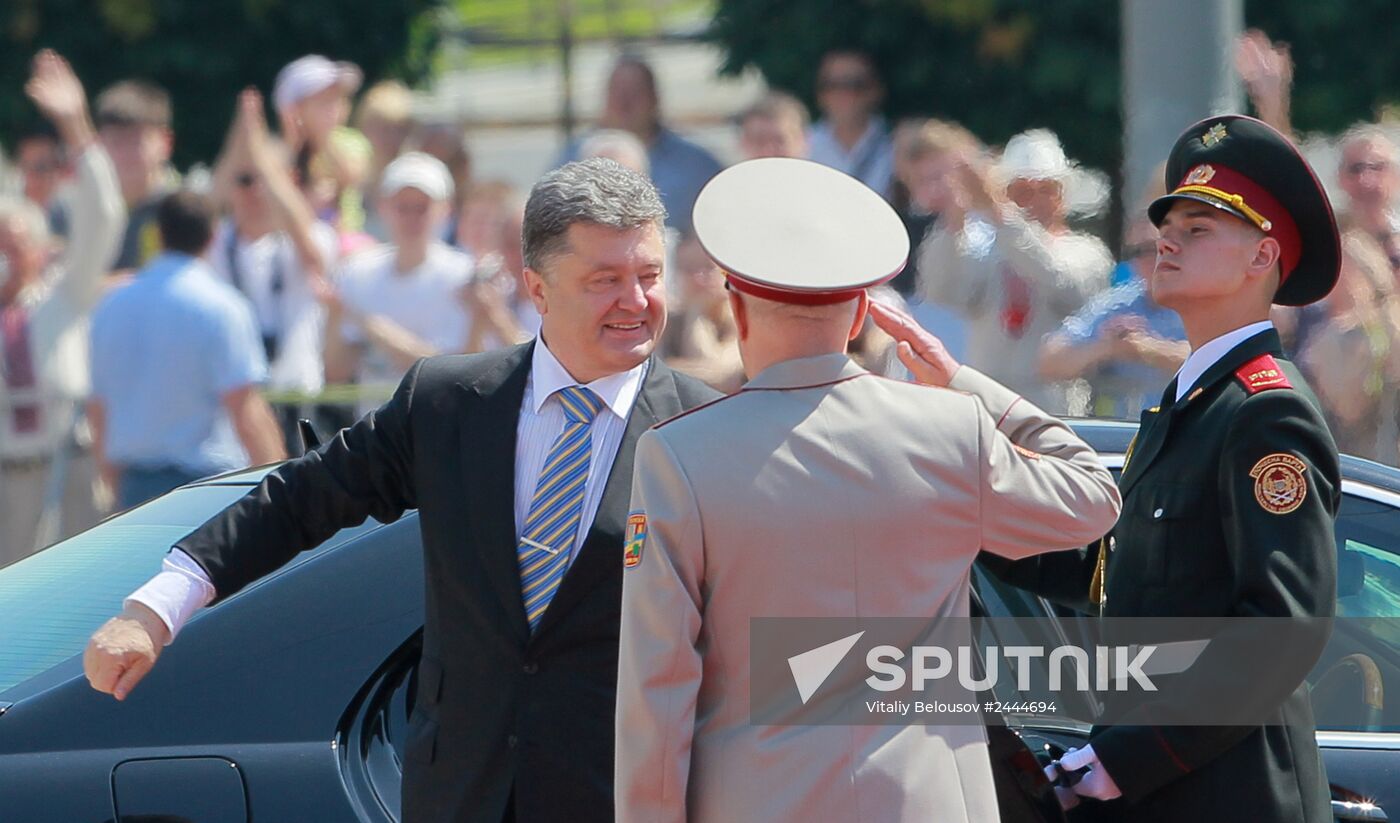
(547, 539)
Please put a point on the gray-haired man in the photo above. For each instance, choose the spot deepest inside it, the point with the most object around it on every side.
(519, 463)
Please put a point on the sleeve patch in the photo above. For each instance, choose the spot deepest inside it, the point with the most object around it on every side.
(636, 539)
(1280, 483)
(1261, 373)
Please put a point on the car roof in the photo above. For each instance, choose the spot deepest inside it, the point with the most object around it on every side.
(1106, 436)
(1113, 437)
(240, 477)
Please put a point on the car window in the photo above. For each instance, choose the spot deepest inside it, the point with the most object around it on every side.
(1362, 657)
(52, 601)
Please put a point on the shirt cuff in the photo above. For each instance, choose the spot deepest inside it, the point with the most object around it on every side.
(176, 593)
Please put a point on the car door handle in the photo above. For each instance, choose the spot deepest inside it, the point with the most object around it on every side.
(1348, 810)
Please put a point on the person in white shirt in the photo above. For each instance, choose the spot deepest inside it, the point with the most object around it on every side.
(852, 136)
(44, 312)
(272, 248)
(397, 303)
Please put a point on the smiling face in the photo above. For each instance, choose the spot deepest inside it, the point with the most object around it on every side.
(1205, 254)
(602, 302)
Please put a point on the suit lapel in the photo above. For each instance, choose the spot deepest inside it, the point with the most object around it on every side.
(488, 436)
(601, 553)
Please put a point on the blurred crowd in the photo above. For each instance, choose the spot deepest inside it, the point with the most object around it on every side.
(156, 328)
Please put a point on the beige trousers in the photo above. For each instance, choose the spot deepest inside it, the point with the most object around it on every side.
(23, 486)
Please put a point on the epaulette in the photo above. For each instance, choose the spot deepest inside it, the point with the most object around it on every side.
(1261, 374)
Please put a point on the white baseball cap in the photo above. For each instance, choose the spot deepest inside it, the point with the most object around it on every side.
(311, 74)
(416, 170)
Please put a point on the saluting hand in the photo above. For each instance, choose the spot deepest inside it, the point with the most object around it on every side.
(123, 650)
(922, 353)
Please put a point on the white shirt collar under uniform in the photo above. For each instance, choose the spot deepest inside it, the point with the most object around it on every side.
(547, 376)
(1210, 353)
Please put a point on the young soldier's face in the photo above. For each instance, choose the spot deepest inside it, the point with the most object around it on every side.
(602, 302)
(1203, 254)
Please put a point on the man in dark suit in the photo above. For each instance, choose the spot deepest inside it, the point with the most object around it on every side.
(519, 463)
(1230, 494)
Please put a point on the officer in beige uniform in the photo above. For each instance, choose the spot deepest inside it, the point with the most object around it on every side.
(819, 490)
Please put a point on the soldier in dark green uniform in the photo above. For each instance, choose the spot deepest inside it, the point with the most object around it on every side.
(1229, 495)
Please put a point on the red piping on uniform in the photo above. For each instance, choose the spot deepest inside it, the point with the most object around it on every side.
(760, 388)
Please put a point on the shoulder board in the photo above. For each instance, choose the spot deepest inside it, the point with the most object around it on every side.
(1262, 373)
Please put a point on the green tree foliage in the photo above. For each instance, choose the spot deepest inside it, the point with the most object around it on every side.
(1346, 65)
(204, 51)
(1000, 66)
(996, 66)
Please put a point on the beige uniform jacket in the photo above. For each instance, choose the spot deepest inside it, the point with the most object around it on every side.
(821, 490)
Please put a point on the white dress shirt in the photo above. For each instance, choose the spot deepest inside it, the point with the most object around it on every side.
(1210, 353)
(181, 587)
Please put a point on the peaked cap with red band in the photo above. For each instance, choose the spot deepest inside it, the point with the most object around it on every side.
(1247, 168)
(795, 231)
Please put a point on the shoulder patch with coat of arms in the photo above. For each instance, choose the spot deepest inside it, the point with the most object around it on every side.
(1280, 483)
(636, 539)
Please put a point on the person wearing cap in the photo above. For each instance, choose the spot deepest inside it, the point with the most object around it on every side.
(1003, 256)
(312, 97)
(519, 464)
(1230, 493)
(396, 303)
(820, 490)
(272, 248)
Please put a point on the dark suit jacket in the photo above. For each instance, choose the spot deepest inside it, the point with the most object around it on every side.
(1199, 537)
(496, 708)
